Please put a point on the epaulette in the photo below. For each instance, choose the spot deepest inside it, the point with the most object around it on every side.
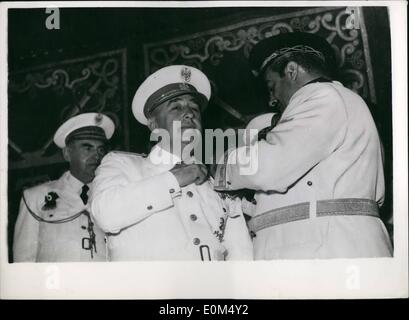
(130, 153)
(39, 184)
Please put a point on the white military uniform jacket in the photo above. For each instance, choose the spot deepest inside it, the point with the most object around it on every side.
(149, 217)
(325, 146)
(36, 241)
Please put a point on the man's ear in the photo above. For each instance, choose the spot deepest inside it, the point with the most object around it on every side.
(66, 154)
(151, 124)
(291, 70)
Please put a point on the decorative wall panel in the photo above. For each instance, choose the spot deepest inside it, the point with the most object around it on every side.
(42, 98)
(208, 50)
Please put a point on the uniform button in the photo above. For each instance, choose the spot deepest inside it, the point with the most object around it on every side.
(309, 183)
(83, 227)
(51, 215)
(189, 193)
(150, 207)
(196, 241)
(193, 217)
(172, 190)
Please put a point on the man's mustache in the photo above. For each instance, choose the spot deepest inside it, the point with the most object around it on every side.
(188, 123)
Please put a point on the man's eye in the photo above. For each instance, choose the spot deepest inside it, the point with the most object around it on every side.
(175, 107)
(194, 107)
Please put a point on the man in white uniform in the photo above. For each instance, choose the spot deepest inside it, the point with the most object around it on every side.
(157, 207)
(320, 173)
(54, 224)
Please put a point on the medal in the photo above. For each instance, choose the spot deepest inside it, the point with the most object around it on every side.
(50, 201)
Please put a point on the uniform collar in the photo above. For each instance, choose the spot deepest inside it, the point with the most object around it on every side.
(319, 79)
(74, 184)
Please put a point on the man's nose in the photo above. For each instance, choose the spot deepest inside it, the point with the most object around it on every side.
(187, 112)
(188, 115)
(272, 99)
(98, 155)
(273, 102)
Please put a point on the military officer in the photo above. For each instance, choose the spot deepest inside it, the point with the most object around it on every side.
(156, 207)
(54, 224)
(262, 123)
(320, 174)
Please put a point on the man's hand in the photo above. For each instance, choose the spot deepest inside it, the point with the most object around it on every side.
(212, 169)
(189, 173)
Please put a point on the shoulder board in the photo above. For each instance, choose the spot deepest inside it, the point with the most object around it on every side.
(130, 153)
(41, 185)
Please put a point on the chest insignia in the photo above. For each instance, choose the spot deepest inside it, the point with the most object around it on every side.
(50, 201)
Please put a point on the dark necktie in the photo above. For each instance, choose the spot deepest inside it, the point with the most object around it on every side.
(274, 120)
(84, 195)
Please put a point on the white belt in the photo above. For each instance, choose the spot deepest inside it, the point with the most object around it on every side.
(300, 211)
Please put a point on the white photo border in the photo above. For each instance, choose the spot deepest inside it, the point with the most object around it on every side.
(282, 279)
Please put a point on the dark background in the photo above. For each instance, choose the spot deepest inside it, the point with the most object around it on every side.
(87, 31)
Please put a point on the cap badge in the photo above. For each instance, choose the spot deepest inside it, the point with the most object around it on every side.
(98, 119)
(183, 87)
(186, 74)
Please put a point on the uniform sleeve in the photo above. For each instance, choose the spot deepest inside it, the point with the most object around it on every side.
(26, 233)
(248, 207)
(308, 133)
(236, 236)
(121, 197)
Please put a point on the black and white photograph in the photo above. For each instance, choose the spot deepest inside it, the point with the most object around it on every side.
(172, 148)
